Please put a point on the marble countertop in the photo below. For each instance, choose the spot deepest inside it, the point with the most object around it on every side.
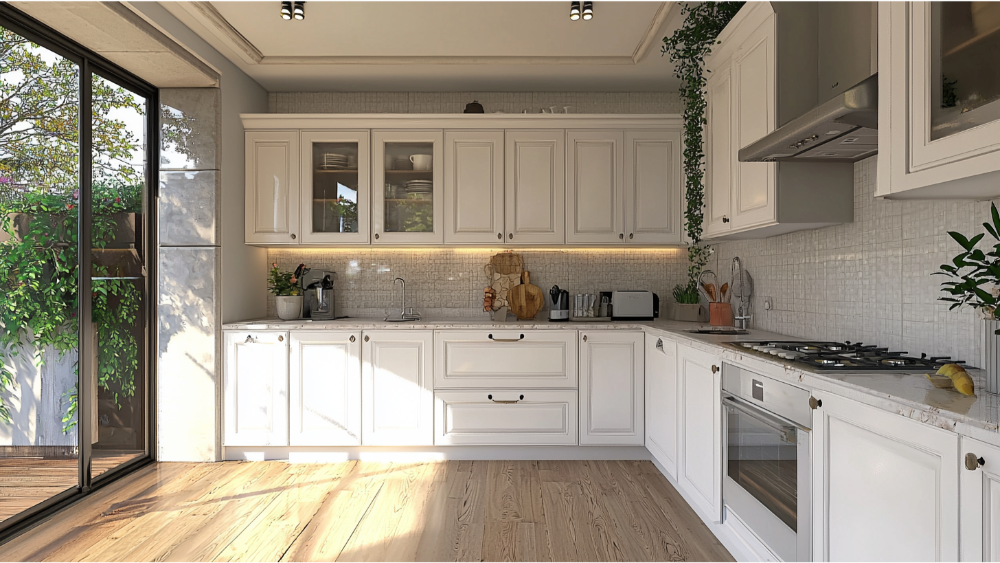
(904, 393)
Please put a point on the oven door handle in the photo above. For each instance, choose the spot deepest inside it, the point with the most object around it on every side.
(779, 423)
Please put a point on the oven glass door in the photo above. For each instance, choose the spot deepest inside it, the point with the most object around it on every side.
(762, 458)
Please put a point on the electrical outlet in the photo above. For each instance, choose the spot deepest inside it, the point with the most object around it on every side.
(768, 305)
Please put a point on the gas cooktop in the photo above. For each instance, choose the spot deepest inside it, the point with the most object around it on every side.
(843, 356)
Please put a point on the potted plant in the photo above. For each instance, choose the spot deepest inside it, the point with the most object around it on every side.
(975, 282)
(287, 293)
(687, 306)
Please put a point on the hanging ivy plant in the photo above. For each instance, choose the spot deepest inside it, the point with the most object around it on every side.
(687, 49)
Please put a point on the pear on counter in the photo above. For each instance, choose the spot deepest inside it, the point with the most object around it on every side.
(959, 377)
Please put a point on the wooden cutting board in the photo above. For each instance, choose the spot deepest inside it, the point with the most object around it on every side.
(526, 300)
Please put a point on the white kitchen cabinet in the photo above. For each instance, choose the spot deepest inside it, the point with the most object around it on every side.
(980, 501)
(505, 359)
(885, 488)
(402, 213)
(612, 385)
(397, 388)
(700, 443)
(336, 190)
(939, 100)
(272, 187)
(325, 388)
(535, 186)
(719, 153)
(474, 187)
(256, 388)
(661, 401)
(519, 417)
(595, 187)
(653, 184)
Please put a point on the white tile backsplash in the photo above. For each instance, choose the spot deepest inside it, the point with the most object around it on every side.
(869, 280)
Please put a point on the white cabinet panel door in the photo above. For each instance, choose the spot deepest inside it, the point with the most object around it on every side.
(611, 388)
(272, 187)
(754, 117)
(505, 359)
(653, 187)
(256, 383)
(594, 187)
(396, 388)
(506, 417)
(719, 154)
(885, 488)
(980, 501)
(661, 401)
(535, 187)
(473, 187)
(700, 473)
(325, 388)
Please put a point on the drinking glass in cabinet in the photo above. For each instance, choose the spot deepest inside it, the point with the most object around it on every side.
(964, 56)
(335, 187)
(409, 203)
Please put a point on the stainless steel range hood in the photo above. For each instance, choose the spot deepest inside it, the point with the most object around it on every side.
(842, 124)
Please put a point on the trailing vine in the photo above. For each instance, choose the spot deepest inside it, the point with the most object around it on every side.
(687, 49)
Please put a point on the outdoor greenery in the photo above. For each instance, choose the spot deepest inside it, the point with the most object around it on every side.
(39, 217)
(975, 274)
(687, 49)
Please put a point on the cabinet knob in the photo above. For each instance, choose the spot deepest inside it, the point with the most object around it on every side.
(352, 338)
(281, 338)
(659, 344)
(715, 369)
(249, 339)
(621, 236)
(510, 236)
(630, 235)
(972, 462)
(293, 236)
(366, 338)
(815, 403)
(376, 236)
(725, 219)
(584, 337)
(499, 236)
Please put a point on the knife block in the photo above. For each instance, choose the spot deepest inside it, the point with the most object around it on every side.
(720, 314)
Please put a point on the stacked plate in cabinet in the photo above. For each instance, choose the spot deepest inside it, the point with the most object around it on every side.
(333, 161)
(419, 189)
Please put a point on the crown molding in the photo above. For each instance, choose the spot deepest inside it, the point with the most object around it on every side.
(663, 13)
(225, 31)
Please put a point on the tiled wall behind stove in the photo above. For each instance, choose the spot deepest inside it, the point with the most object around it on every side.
(454, 102)
(869, 280)
(449, 282)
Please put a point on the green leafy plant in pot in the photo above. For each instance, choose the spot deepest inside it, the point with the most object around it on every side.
(975, 282)
(287, 293)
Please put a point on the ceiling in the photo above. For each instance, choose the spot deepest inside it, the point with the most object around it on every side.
(441, 46)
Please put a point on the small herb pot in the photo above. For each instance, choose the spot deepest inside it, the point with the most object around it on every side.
(688, 312)
(289, 306)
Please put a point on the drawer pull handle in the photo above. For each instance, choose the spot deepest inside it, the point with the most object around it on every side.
(506, 339)
(510, 402)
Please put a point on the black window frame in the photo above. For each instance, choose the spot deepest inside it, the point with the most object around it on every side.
(91, 63)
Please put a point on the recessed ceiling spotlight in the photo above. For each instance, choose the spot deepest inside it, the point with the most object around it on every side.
(299, 11)
(588, 10)
(574, 10)
(286, 10)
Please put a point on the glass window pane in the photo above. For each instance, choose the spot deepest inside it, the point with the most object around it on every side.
(965, 54)
(118, 275)
(335, 187)
(39, 180)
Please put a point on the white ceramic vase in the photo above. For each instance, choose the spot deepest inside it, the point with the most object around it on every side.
(289, 306)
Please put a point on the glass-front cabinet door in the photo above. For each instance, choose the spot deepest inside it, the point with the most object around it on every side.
(408, 189)
(956, 57)
(335, 190)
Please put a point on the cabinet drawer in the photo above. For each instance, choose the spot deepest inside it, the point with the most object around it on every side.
(505, 359)
(474, 418)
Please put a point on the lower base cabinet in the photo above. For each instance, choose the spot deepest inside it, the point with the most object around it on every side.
(256, 388)
(611, 388)
(661, 401)
(980, 502)
(397, 398)
(526, 417)
(885, 488)
(699, 470)
(324, 388)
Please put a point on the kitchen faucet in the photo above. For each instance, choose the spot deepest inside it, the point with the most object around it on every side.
(403, 314)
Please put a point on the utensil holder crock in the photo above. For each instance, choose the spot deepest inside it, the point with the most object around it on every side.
(720, 314)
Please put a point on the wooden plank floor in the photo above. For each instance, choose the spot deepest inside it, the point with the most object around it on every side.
(366, 511)
(27, 481)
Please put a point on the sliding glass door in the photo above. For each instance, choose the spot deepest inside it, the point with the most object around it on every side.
(76, 163)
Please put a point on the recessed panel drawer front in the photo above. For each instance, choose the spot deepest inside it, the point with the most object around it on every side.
(505, 359)
(519, 417)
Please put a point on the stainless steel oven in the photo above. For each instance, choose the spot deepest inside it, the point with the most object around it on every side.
(767, 461)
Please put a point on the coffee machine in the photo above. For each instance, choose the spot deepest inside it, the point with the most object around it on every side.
(560, 304)
(318, 302)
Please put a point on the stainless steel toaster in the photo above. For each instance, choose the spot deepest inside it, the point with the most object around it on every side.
(633, 305)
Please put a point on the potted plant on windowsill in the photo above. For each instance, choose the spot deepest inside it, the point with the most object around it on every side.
(975, 282)
(287, 293)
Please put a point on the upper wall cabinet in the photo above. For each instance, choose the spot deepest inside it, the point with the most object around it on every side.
(509, 180)
(939, 100)
(272, 192)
